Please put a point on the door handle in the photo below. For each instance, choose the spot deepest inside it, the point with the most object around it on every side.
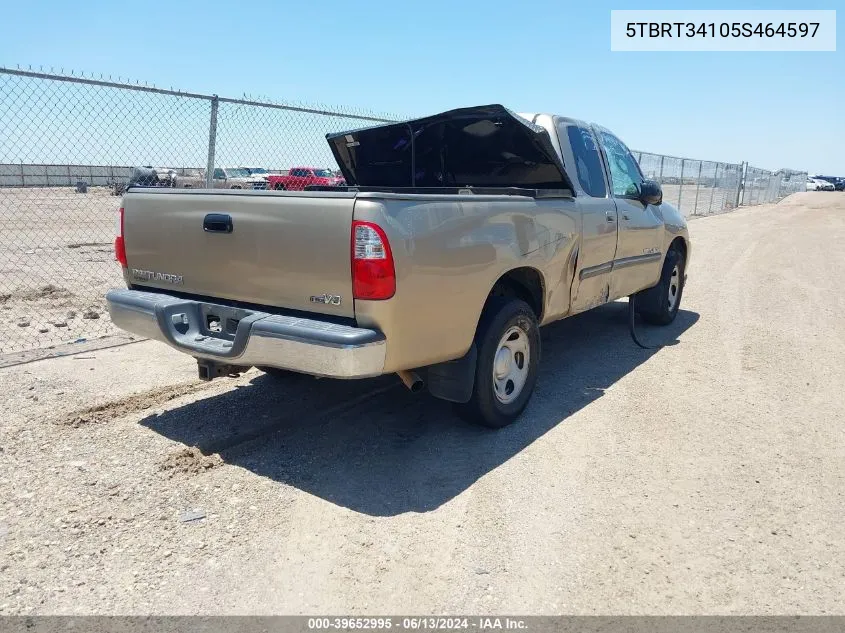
(625, 216)
(217, 223)
(610, 217)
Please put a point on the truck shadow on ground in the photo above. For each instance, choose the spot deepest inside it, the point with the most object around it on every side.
(376, 448)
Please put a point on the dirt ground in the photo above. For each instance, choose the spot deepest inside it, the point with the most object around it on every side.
(56, 264)
(704, 477)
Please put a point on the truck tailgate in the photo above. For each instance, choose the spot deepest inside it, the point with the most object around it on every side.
(269, 249)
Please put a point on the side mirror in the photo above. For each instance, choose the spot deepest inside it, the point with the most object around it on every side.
(651, 192)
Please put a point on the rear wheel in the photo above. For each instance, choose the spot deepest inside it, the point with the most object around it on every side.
(508, 342)
(279, 186)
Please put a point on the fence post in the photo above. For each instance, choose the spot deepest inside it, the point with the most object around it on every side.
(69, 177)
(212, 143)
(740, 183)
(753, 179)
(755, 186)
(23, 178)
(681, 188)
(713, 190)
(697, 187)
(660, 177)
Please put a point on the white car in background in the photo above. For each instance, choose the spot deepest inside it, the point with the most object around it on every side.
(257, 172)
(817, 184)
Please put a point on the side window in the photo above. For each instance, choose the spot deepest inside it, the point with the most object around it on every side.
(219, 174)
(624, 173)
(297, 172)
(587, 161)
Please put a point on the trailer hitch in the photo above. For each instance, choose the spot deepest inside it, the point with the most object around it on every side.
(209, 370)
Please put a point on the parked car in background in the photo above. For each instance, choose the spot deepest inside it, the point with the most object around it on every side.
(298, 178)
(258, 172)
(167, 177)
(237, 178)
(838, 183)
(817, 184)
(147, 176)
(225, 178)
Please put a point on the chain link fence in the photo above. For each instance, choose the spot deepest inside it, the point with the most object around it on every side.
(69, 144)
(701, 187)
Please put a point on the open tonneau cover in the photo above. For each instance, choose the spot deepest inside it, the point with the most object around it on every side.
(478, 147)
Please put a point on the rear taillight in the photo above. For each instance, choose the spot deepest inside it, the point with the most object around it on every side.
(119, 246)
(373, 275)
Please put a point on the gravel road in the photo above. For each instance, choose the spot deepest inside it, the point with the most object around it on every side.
(704, 477)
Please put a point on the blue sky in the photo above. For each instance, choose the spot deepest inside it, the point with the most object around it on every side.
(771, 109)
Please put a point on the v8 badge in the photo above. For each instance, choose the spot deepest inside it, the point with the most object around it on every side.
(334, 300)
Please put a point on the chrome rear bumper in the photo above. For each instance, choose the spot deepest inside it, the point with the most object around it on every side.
(245, 337)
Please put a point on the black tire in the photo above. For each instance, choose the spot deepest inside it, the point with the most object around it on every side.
(485, 407)
(279, 186)
(653, 304)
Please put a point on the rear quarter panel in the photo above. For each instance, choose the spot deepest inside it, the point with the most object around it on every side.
(449, 251)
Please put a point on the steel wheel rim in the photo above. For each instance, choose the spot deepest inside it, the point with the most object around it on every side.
(674, 287)
(510, 365)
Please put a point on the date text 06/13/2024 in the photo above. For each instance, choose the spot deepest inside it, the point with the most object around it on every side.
(418, 623)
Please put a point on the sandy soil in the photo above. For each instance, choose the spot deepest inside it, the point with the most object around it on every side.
(56, 264)
(704, 477)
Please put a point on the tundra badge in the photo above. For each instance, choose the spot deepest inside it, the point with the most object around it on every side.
(151, 275)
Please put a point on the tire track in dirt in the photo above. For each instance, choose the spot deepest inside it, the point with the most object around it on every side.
(131, 404)
(135, 403)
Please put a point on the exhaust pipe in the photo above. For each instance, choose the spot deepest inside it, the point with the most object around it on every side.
(411, 380)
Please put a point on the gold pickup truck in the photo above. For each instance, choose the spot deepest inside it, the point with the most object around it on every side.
(456, 236)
